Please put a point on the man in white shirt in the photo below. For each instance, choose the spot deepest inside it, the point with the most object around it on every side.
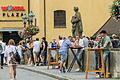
(36, 50)
(80, 53)
(2, 51)
(86, 41)
(60, 41)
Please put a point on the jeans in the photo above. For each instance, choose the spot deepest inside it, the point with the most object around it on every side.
(53, 54)
(2, 60)
(106, 55)
(98, 59)
(81, 56)
(45, 58)
(66, 63)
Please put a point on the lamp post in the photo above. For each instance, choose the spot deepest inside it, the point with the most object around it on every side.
(25, 19)
(31, 17)
(44, 18)
(31, 29)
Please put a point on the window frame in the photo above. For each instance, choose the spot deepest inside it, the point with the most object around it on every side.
(62, 16)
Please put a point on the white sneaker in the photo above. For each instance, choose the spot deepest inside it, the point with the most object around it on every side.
(97, 76)
(77, 70)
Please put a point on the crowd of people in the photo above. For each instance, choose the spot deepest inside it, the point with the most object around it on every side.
(102, 40)
(29, 52)
(34, 52)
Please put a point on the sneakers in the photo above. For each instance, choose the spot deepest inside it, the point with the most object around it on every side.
(62, 70)
(77, 70)
(97, 76)
(36, 64)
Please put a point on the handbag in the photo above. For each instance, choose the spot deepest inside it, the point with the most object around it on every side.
(17, 56)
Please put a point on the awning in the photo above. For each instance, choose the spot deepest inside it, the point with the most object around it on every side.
(9, 29)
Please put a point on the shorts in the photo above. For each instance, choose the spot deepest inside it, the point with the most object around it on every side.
(43, 53)
(63, 57)
(36, 53)
(28, 53)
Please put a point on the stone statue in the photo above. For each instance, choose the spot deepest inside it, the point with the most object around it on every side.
(76, 21)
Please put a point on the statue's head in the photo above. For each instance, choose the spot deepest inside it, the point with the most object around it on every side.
(76, 9)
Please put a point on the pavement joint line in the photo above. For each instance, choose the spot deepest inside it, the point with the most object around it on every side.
(47, 74)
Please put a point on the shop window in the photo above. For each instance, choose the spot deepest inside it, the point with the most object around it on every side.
(59, 19)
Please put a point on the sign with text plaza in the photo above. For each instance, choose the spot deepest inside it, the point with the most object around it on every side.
(12, 11)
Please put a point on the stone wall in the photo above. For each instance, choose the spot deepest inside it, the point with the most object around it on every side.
(114, 63)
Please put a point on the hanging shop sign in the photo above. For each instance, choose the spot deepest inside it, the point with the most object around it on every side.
(12, 11)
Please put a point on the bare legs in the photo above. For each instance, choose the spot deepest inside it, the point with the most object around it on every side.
(12, 71)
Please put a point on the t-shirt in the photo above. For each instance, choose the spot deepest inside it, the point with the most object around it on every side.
(60, 42)
(104, 40)
(85, 41)
(53, 45)
(36, 46)
(19, 49)
(3, 45)
(115, 43)
(81, 43)
(65, 46)
(46, 45)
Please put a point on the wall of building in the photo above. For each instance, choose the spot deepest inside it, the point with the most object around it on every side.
(8, 21)
(94, 15)
(37, 7)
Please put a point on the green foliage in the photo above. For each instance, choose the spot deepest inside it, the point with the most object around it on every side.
(32, 30)
(115, 9)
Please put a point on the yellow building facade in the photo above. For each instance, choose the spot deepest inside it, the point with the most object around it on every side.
(10, 18)
(94, 14)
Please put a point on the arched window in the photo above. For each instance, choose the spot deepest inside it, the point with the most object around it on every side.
(59, 18)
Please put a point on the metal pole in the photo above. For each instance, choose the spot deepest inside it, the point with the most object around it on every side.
(28, 6)
(35, 22)
(44, 18)
(28, 10)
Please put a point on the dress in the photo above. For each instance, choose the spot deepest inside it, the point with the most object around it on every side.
(10, 49)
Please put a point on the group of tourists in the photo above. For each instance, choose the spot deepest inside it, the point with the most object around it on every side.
(34, 52)
(102, 40)
(30, 53)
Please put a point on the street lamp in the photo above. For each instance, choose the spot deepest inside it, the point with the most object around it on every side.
(25, 19)
(30, 30)
(31, 17)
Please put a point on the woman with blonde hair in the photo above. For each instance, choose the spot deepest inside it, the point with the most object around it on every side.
(10, 52)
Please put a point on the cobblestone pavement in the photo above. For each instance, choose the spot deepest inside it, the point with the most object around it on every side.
(23, 75)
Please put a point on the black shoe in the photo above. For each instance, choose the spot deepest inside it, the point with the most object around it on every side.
(41, 64)
(1, 67)
(61, 70)
(64, 70)
(37, 64)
